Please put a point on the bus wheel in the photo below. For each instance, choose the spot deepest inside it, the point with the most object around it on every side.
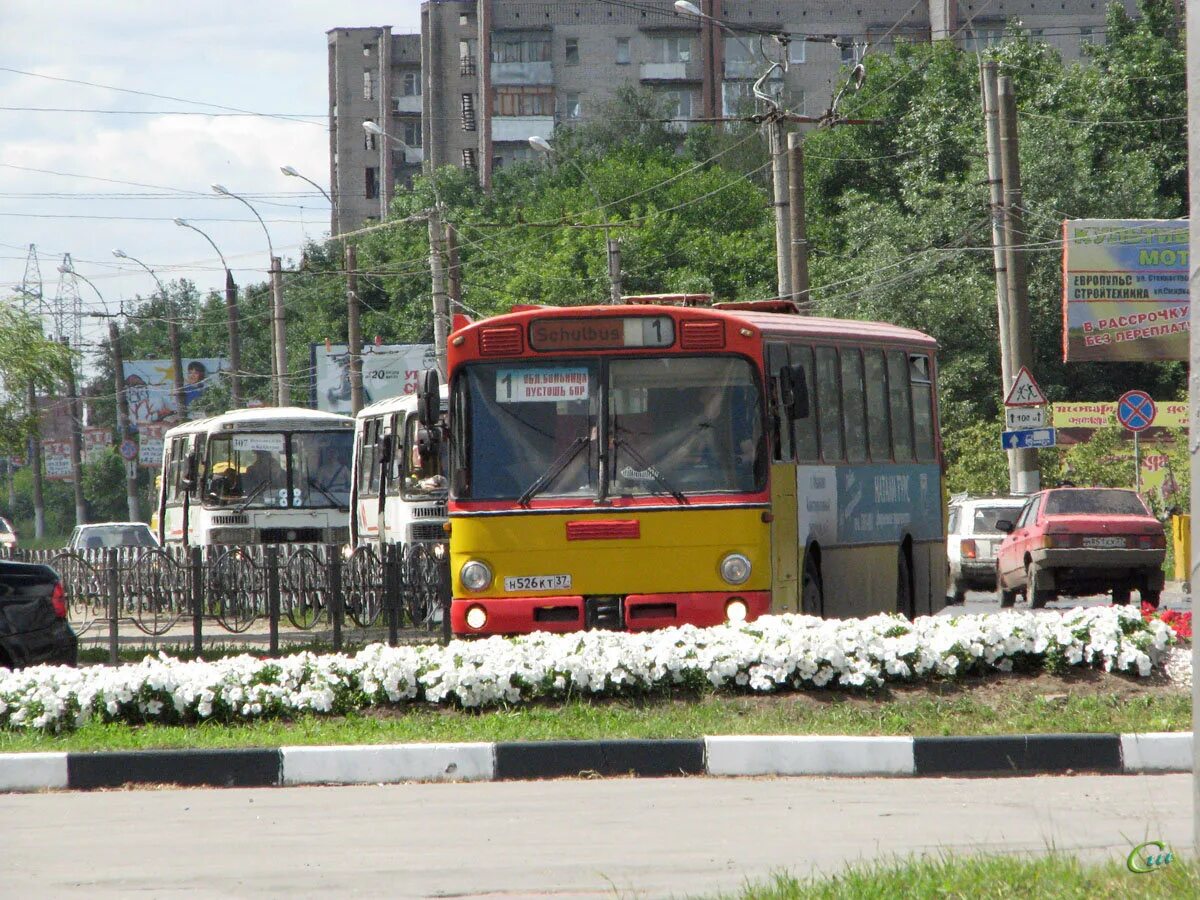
(904, 587)
(812, 593)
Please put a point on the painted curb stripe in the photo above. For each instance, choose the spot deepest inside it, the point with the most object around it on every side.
(379, 764)
(33, 771)
(217, 768)
(809, 755)
(1157, 752)
(570, 759)
(1017, 755)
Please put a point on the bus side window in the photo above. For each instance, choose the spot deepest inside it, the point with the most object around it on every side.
(900, 401)
(397, 465)
(804, 431)
(879, 435)
(174, 473)
(922, 400)
(781, 437)
(367, 471)
(198, 451)
(853, 398)
(829, 404)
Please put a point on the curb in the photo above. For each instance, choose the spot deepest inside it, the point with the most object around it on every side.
(1035, 754)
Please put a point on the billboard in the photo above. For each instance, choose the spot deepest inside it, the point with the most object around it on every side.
(389, 370)
(1125, 289)
(150, 387)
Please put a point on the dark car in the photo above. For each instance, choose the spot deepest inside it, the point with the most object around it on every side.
(33, 617)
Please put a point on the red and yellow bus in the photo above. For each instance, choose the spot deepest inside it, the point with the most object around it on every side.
(650, 464)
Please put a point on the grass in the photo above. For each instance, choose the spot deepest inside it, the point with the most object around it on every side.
(1053, 877)
(1012, 705)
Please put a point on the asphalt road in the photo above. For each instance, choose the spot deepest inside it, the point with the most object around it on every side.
(989, 601)
(621, 837)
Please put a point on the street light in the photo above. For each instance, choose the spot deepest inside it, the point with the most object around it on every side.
(614, 250)
(231, 313)
(172, 332)
(279, 338)
(291, 171)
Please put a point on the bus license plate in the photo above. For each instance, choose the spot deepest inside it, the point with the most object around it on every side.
(537, 583)
(1103, 543)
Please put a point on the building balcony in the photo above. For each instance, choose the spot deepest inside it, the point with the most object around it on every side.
(402, 104)
(523, 73)
(673, 71)
(520, 128)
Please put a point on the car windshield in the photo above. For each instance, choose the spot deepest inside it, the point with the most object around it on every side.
(116, 536)
(673, 426)
(5, 528)
(985, 517)
(1115, 502)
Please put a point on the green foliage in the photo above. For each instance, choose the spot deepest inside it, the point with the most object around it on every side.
(104, 488)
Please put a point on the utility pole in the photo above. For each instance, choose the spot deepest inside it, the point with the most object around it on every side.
(131, 488)
(353, 330)
(779, 162)
(799, 230)
(991, 119)
(614, 269)
(35, 462)
(282, 391)
(453, 269)
(176, 359)
(76, 442)
(235, 340)
(441, 305)
(1020, 341)
(1193, 108)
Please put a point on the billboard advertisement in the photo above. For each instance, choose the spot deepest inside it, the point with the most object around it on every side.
(151, 390)
(389, 370)
(1125, 289)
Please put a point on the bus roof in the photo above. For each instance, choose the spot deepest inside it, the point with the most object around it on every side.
(400, 403)
(264, 418)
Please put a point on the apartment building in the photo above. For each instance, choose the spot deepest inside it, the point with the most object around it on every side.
(483, 76)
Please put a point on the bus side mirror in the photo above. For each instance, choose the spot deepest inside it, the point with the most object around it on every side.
(429, 398)
(793, 392)
(190, 470)
(427, 444)
(383, 449)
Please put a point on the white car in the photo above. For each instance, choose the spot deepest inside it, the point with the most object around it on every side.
(972, 540)
(111, 534)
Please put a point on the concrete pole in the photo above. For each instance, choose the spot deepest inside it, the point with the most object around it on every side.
(282, 389)
(35, 462)
(76, 413)
(235, 340)
(176, 361)
(353, 330)
(453, 268)
(1193, 106)
(614, 269)
(799, 229)
(441, 305)
(1020, 340)
(991, 119)
(131, 488)
(783, 254)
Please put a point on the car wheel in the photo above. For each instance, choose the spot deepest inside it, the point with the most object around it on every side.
(1007, 598)
(1120, 596)
(1151, 598)
(812, 593)
(1038, 595)
(955, 593)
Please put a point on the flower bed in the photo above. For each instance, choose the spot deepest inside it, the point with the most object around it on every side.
(1180, 622)
(771, 654)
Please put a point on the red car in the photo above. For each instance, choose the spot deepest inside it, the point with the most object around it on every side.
(1080, 541)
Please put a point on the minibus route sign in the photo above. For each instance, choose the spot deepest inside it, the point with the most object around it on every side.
(601, 333)
(542, 384)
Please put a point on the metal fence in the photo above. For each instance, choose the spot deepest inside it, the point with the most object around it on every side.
(226, 590)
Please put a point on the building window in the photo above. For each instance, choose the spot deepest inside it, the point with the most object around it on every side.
(468, 112)
(412, 133)
(411, 84)
(368, 84)
(984, 36)
(796, 51)
(464, 19)
(1087, 35)
(521, 50)
(368, 138)
(622, 51)
(678, 104)
(372, 176)
(368, 49)
(523, 101)
(574, 108)
(851, 52)
(468, 158)
(670, 49)
(571, 52)
(466, 57)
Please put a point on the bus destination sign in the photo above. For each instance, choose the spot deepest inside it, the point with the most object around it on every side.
(605, 333)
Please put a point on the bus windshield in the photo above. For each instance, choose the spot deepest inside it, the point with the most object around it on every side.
(272, 470)
(672, 426)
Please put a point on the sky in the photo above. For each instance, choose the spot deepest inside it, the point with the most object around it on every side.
(89, 162)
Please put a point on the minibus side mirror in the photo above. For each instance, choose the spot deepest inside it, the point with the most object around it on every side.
(190, 470)
(429, 398)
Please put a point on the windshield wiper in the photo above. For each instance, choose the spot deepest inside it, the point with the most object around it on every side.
(555, 469)
(262, 485)
(647, 467)
(328, 496)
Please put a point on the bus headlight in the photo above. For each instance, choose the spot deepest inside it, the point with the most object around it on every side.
(476, 617)
(475, 575)
(735, 568)
(736, 610)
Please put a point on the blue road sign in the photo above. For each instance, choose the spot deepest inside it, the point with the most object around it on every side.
(1136, 411)
(1026, 440)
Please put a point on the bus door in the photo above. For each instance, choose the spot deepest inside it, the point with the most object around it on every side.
(193, 469)
(785, 545)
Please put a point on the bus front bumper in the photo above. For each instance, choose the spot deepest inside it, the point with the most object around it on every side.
(634, 612)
